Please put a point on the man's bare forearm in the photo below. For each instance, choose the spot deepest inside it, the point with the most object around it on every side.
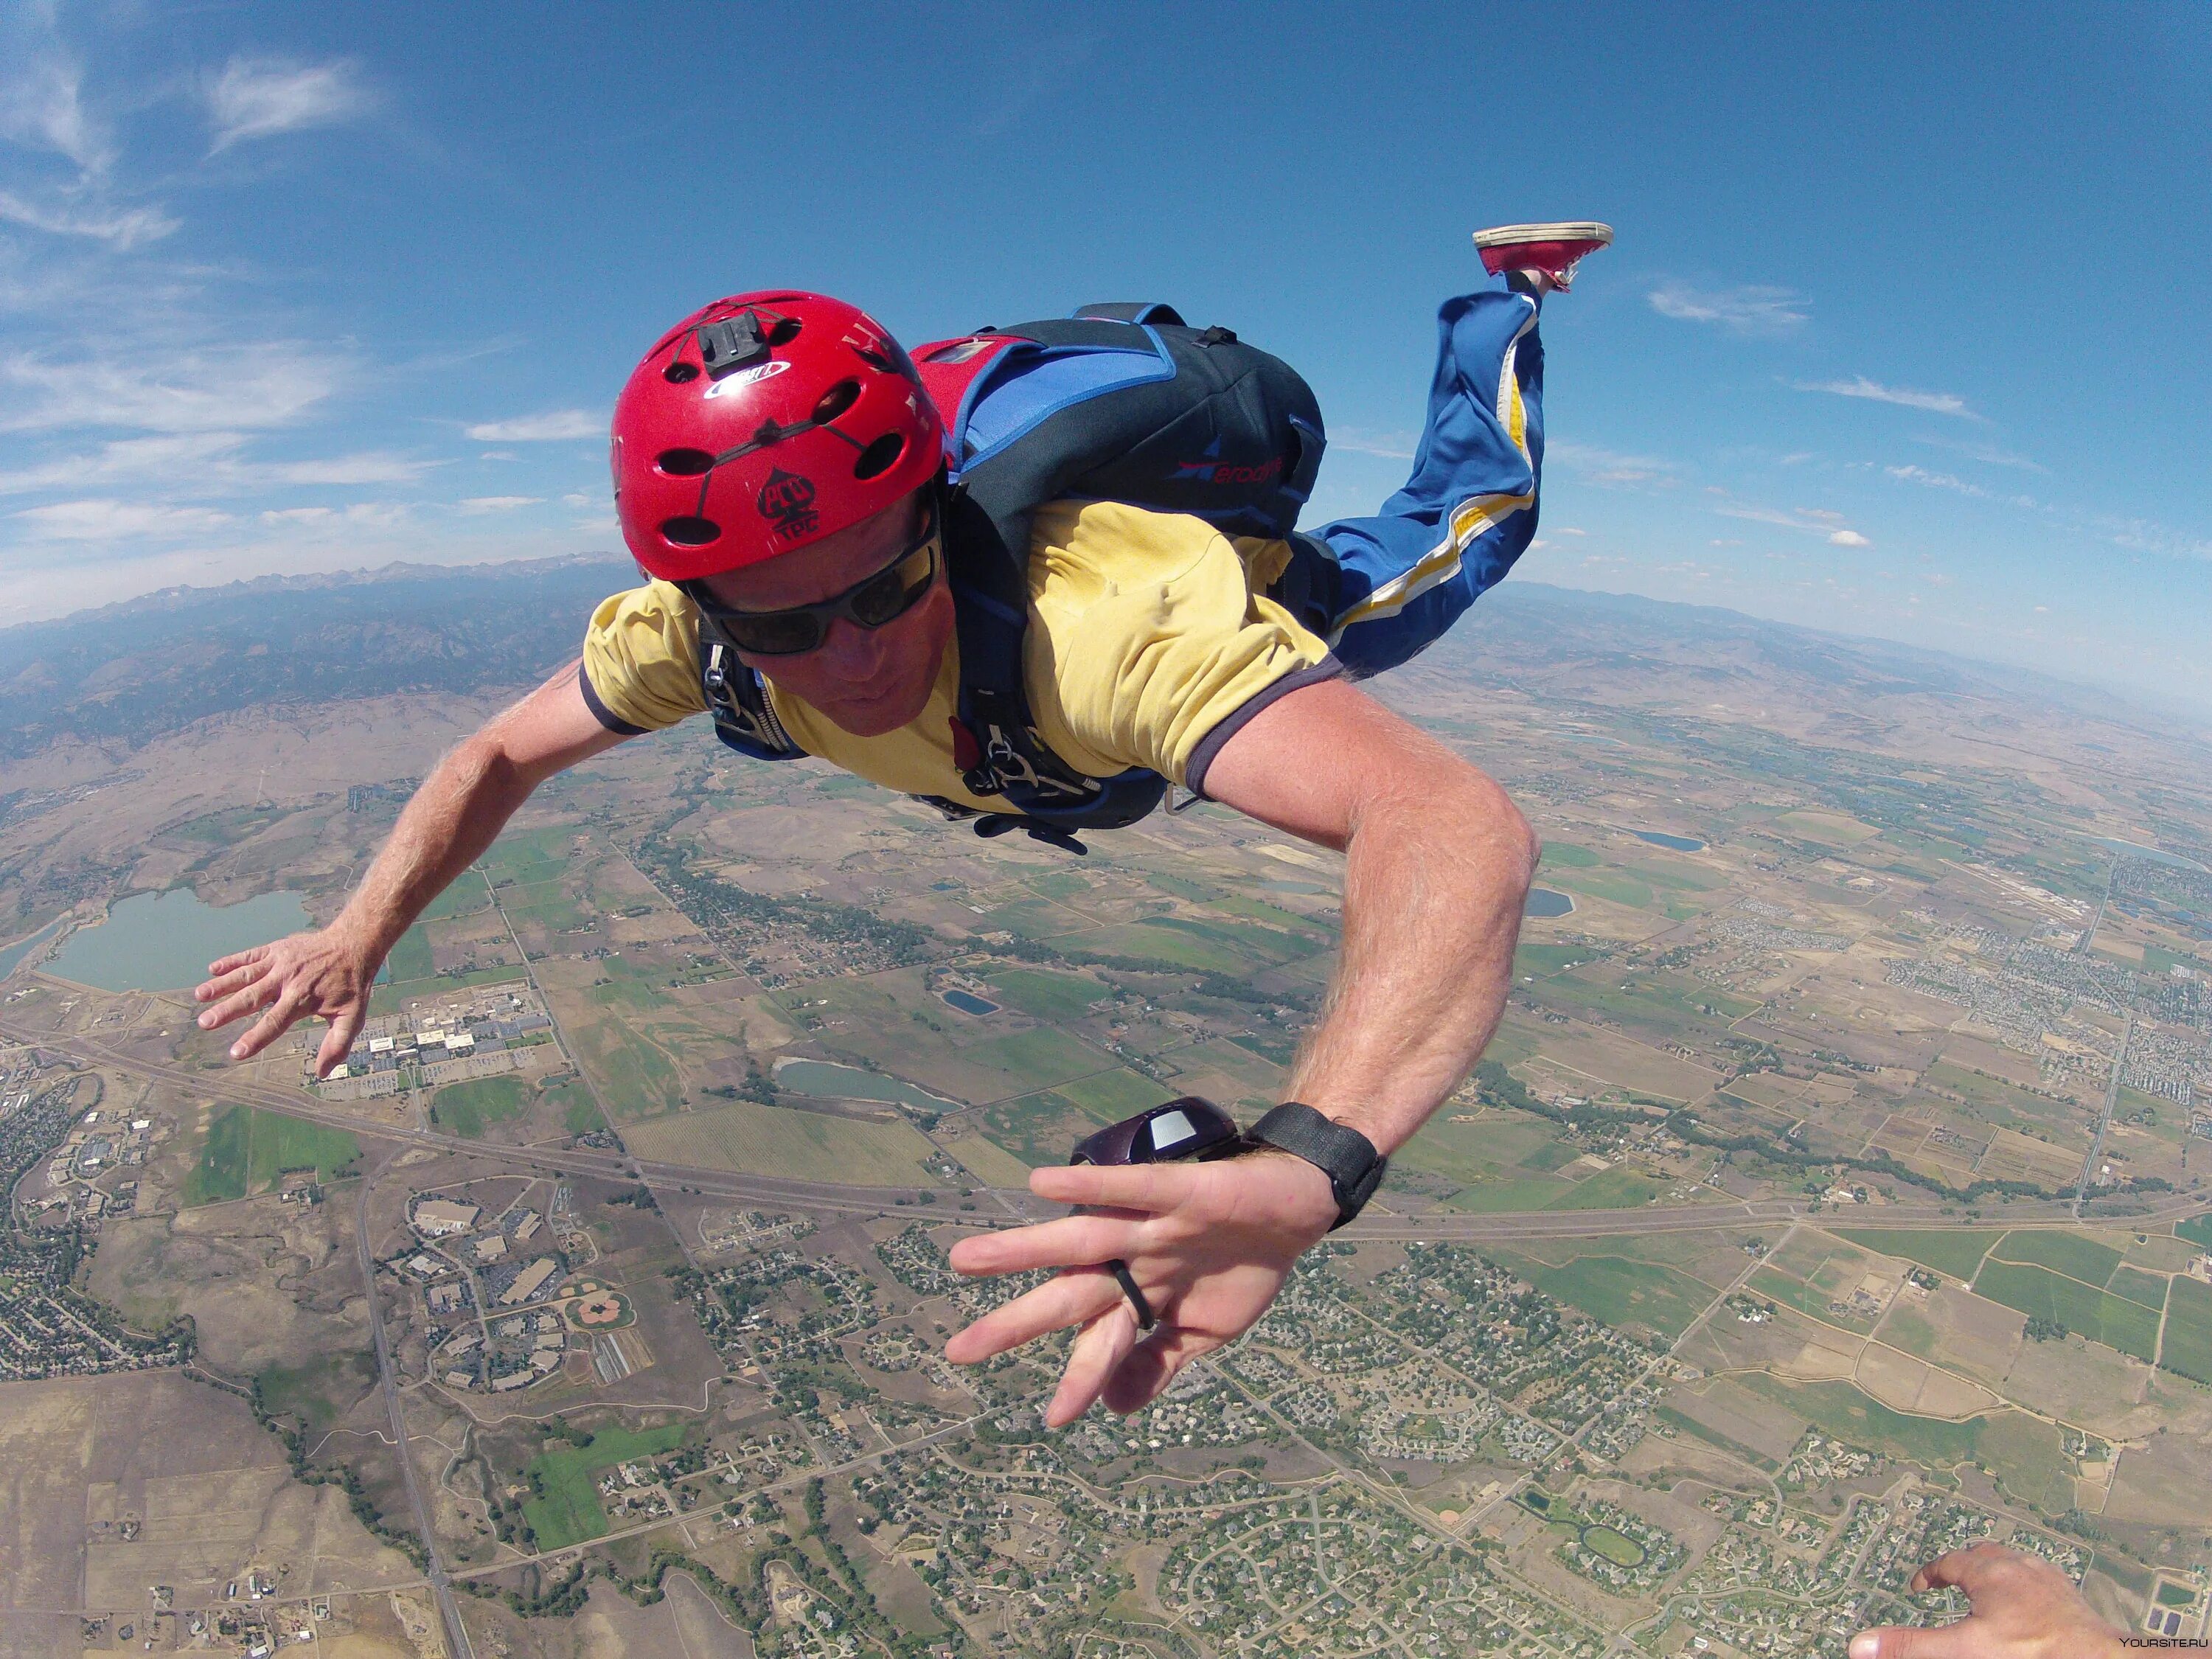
(1435, 881)
(454, 817)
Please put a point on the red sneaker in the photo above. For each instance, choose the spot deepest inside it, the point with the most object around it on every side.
(1555, 250)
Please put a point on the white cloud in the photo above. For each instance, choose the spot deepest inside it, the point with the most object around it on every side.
(1935, 403)
(212, 388)
(1749, 309)
(551, 427)
(498, 503)
(1607, 467)
(1988, 453)
(204, 464)
(261, 97)
(101, 520)
(1810, 520)
(122, 230)
(41, 106)
(1390, 446)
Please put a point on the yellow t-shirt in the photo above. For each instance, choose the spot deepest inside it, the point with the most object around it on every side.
(1150, 641)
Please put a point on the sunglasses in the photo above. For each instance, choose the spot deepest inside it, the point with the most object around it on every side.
(1191, 1127)
(872, 602)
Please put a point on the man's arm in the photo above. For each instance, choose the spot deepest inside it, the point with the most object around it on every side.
(458, 813)
(1438, 867)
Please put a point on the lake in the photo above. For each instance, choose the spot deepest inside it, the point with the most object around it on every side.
(968, 1003)
(2137, 850)
(1543, 901)
(164, 941)
(1675, 843)
(15, 953)
(825, 1079)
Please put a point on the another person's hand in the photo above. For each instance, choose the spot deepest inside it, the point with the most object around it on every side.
(2024, 1608)
(325, 974)
(1209, 1244)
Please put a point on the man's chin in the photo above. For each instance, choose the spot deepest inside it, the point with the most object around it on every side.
(874, 717)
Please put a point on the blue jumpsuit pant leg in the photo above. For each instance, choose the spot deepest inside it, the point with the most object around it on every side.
(1402, 577)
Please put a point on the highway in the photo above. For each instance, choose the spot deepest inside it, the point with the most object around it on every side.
(456, 1634)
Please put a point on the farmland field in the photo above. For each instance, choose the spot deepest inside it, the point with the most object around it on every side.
(564, 1508)
(1958, 1254)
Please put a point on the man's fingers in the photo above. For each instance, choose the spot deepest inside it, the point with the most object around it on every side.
(1152, 1364)
(1067, 1298)
(1098, 1352)
(259, 994)
(337, 1042)
(1912, 1642)
(1151, 1188)
(1971, 1569)
(270, 1026)
(235, 959)
(1076, 1241)
(223, 984)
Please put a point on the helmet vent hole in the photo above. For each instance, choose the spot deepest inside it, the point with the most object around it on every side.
(686, 463)
(880, 456)
(784, 331)
(677, 372)
(835, 401)
(690, 532)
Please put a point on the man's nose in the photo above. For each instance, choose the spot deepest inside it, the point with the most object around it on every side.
(852, 652)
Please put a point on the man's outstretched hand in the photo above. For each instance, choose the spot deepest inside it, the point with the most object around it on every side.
(325, 974)
(2024, 1608)
(1209, 1244)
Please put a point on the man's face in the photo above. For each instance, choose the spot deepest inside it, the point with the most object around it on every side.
(868, 680)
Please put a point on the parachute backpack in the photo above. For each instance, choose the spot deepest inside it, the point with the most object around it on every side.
(1119, 403)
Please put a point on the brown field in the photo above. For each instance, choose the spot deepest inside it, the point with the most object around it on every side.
(1956, 1328)
(1625, 1063)
(1993, 1060)
(2082, 1382)
(2016, 1157)
(2163, 1483)
(1741, 1416)
(207, 1484)
(265, 1282)
(1906, 1384)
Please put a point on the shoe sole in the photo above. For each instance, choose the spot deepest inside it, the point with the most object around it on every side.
(1574, 231)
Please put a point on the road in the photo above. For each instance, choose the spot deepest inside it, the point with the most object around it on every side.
(894, 1202)
(2105, 1120)
(456, 1634)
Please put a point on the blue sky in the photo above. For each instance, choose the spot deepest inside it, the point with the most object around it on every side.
(1904, 333)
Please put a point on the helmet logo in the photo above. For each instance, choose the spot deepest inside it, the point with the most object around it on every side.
(739, 379)
(786, 501)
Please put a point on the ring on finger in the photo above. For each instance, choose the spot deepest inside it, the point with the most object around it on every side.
(1146, 1319)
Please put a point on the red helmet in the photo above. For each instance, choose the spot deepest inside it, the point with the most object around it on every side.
(760, 423)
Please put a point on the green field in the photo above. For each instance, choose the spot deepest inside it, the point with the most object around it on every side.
(2189, 1330)
(1616, 1291)
(1507, 1195)
(1109, 1096)
(1038, 1059)
(248, 1151)
(1618, 1188)
(1617, 1547)
(220, 1174)
(1565, 855)
(282, 1142)
(527, 856)
(1848, 1412)
(2198, 1230)
(2096, 1314)
(465, 896)
(2062, 1253)
(410, 956)
(1957, 1253)
(320, 1392)
(467, 1108)
(564, 1508)
(2149, 1288)
(1047, 996)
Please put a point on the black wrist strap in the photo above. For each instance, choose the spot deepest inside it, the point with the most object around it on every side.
(1346, 1156)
